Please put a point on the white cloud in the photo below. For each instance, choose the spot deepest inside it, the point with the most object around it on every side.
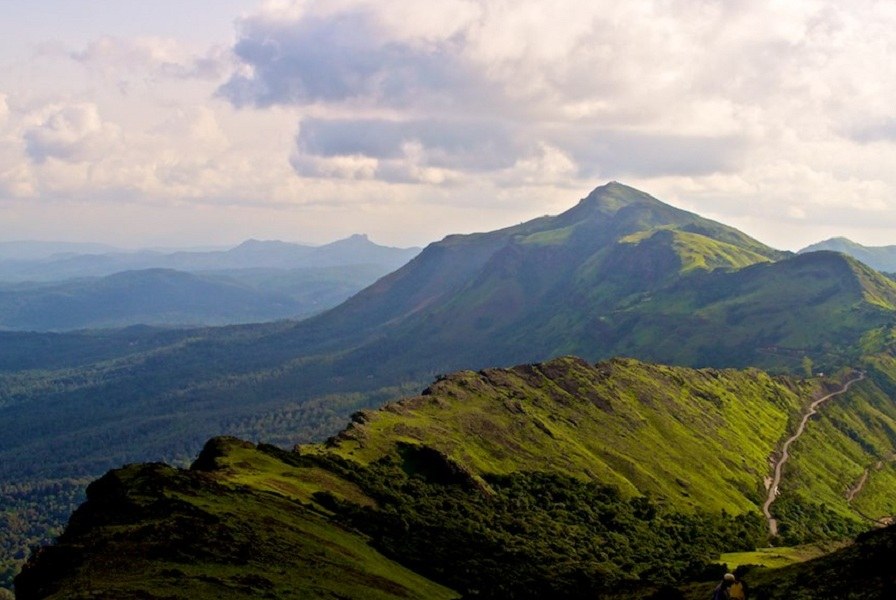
(192, 127)
(153, 57)
(74, 152)
(548, 165)
(778, 103)
(753, 112)
(72, 133)
(344, 166)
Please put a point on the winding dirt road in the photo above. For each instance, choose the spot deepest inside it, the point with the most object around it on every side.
(854, 491)
(785, 452)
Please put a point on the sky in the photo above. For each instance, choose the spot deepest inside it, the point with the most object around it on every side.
(208, 122)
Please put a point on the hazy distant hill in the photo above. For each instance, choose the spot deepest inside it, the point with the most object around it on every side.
(256, 281)
(254, 254)
(165, 297)
(33, 250)
(882, 258)
(151, 297)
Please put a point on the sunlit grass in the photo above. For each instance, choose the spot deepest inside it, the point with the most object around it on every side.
(779, 557)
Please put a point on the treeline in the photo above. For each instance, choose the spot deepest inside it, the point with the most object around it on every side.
(32, 515)
(38, 492)
(313, 420)
(802, 521)
(533, 535)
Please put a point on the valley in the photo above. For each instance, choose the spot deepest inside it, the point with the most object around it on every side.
(559, 479)
(253, 282)
(724, 334)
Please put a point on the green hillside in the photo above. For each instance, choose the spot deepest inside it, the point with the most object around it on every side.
(559, 479)
(151, 531)
(852, 440)
(773, 315)
(619, 273)
(689, 436)
(501, 277)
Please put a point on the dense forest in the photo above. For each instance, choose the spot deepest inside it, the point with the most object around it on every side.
(31, 517)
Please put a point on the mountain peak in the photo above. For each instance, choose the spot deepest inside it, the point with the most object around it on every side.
(619, 194)
(254, 244)
(611, 198)
(625, 210)
(882, 258)
(356, 239)
(834, 243)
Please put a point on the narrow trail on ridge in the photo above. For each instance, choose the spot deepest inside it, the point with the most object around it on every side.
(857, 488)
(785, 452)
(852, 492)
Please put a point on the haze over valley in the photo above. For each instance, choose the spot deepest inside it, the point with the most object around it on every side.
(254, 281)
(469, 299)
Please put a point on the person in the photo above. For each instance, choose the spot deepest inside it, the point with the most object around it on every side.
(738, 590)
(723, 590)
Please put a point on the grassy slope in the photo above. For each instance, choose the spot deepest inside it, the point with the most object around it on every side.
(779, 557)
(250, 521)
(852, 434)
(169, 533)
(817, 305)
(699, 438)
(701, 252)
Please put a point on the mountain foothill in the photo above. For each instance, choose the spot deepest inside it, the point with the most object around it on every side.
(55, 287)
(536, 462)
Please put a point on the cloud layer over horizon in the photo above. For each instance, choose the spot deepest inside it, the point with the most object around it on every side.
(317, 119)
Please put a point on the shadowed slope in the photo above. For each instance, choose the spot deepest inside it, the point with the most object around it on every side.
(151, 531)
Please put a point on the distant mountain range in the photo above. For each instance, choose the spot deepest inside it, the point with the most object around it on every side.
(33, 250)
(882, 258)
(252, 254)
(620, 273)
(256, 281)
